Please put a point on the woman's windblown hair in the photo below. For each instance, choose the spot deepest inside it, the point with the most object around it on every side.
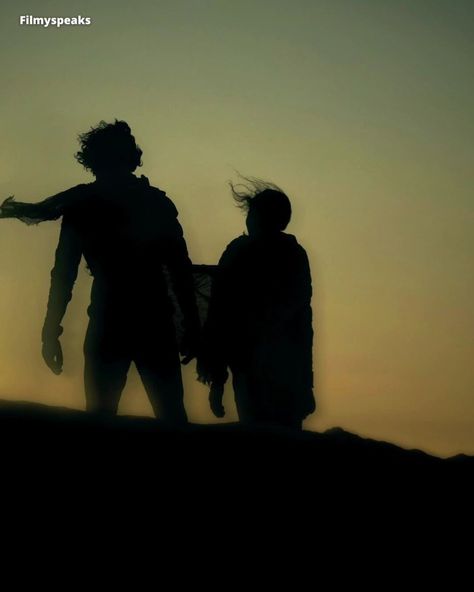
(109, 147)
(266, 199)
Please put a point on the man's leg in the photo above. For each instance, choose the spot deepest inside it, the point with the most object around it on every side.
(160, 371)
(105, 371)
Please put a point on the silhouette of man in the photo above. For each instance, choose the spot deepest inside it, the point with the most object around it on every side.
(130, 237)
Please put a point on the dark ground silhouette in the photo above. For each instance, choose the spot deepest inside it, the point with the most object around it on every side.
(137, 481)
(233, 451)
(262, 502)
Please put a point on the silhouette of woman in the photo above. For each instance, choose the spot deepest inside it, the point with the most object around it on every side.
(260, 320)
(130, 237)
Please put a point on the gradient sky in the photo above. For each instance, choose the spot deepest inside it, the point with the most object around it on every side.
(360, 109)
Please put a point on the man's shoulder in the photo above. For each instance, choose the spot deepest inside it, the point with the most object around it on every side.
(65, 203)
(80, 190)
(160, 198)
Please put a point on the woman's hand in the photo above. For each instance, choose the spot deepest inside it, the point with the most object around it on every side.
(215, 399)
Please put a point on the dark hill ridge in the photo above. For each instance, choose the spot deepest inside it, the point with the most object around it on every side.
(32, 430)
(55, 462)
(130, 481)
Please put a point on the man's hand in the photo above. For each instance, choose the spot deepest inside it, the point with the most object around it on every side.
(6, 207)
(53, 355)
(215, 399)
(189, 347)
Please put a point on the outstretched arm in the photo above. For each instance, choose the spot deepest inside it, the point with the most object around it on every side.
(63, 276)
(50, 208)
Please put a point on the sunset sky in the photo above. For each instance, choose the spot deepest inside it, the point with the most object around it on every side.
(362, 110)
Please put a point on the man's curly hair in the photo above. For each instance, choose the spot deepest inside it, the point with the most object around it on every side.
(109, 147)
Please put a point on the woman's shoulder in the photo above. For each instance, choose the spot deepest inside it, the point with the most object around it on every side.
(238, 242)
(234, 249)
(290, 244)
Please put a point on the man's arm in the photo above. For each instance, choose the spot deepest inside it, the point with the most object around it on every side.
(63, 276)
(180, 269)
(50, 208)
(212, 361)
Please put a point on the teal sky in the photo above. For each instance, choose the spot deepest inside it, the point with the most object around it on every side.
(360, 110)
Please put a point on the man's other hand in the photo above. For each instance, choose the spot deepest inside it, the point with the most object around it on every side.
(189, 347)
(53, 355)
